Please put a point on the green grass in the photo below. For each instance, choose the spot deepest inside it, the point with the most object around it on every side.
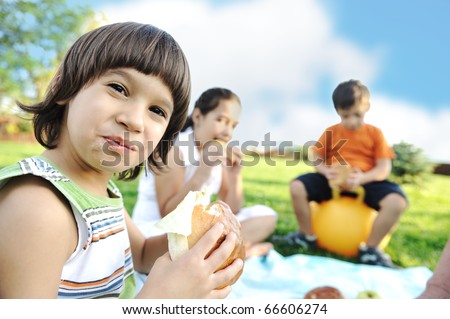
(417, 241)
(11, 152)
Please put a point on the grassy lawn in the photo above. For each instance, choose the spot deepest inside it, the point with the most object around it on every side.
(417, 241)
(11, 152)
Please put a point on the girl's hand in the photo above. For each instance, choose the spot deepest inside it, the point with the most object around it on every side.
(192, 276)
(233, 159)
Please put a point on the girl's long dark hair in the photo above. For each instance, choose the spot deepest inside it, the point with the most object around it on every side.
(209, 100)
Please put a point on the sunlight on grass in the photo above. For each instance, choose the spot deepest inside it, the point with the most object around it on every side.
(418, 239)
(11, 152)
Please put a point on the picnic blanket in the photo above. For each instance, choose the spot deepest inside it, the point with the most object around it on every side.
(276, 276)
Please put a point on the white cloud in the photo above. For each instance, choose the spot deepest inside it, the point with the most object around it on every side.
(284, 46)
(273, 53)
(404, 121)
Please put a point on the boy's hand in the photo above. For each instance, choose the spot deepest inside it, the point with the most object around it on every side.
(337, 176)
(192, 276)
(354, 179)
(331, 174)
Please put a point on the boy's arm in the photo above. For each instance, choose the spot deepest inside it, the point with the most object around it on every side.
(37, 236)
(190, 276)
(438, 286)
(383, 160)
(380, 172)
(319, 164)
(145, 251)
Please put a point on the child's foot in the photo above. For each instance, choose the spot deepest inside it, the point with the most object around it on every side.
(297, 239)
(374, 256)
(258, 249)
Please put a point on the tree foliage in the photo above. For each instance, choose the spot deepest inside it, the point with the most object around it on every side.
(34, 35)
(410, 165)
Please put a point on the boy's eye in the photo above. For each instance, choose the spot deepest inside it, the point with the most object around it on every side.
(157, 110)
(119, 88)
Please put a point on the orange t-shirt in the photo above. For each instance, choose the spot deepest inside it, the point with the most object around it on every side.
(360, 148)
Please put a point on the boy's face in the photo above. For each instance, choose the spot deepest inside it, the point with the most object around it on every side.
(353, 118)
(116, 121)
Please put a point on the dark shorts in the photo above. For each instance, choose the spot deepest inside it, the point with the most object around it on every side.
(318, 190)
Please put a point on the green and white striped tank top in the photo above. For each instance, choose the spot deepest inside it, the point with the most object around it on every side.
(101, 266)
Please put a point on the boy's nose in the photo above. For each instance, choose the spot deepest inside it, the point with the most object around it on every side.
(131, 118)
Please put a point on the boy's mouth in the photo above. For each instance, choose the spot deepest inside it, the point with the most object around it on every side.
(117, 141)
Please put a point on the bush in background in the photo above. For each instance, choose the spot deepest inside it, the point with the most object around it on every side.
(410, 165)
(15, 128)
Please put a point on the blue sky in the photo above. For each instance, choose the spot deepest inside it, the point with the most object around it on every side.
(415, 33)
(284, 58)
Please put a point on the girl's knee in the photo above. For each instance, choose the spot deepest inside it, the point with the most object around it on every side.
(271, 224)
(268, 222)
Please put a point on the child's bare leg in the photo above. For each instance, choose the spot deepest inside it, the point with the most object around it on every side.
(254, 231)
(257, 229)
(391, 208)
(299, 199)
(257, 249)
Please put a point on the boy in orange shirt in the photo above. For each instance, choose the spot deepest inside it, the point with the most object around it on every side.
(363, 148)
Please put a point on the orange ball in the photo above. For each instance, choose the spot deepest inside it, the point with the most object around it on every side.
(342, 223)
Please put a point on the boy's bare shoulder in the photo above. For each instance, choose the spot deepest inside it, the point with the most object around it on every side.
(31, 199)
(25, 188)
(38, 234)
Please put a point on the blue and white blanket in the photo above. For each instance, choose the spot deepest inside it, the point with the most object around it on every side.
(275, 276)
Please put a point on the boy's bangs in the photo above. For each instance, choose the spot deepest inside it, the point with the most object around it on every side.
(148, 50)
(143, 47)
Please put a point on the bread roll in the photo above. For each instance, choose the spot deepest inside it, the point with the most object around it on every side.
(203, 218)
(192, 219)
(324, 292)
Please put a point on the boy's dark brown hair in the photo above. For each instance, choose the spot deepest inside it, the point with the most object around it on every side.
(346, 94)
(120, 45)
